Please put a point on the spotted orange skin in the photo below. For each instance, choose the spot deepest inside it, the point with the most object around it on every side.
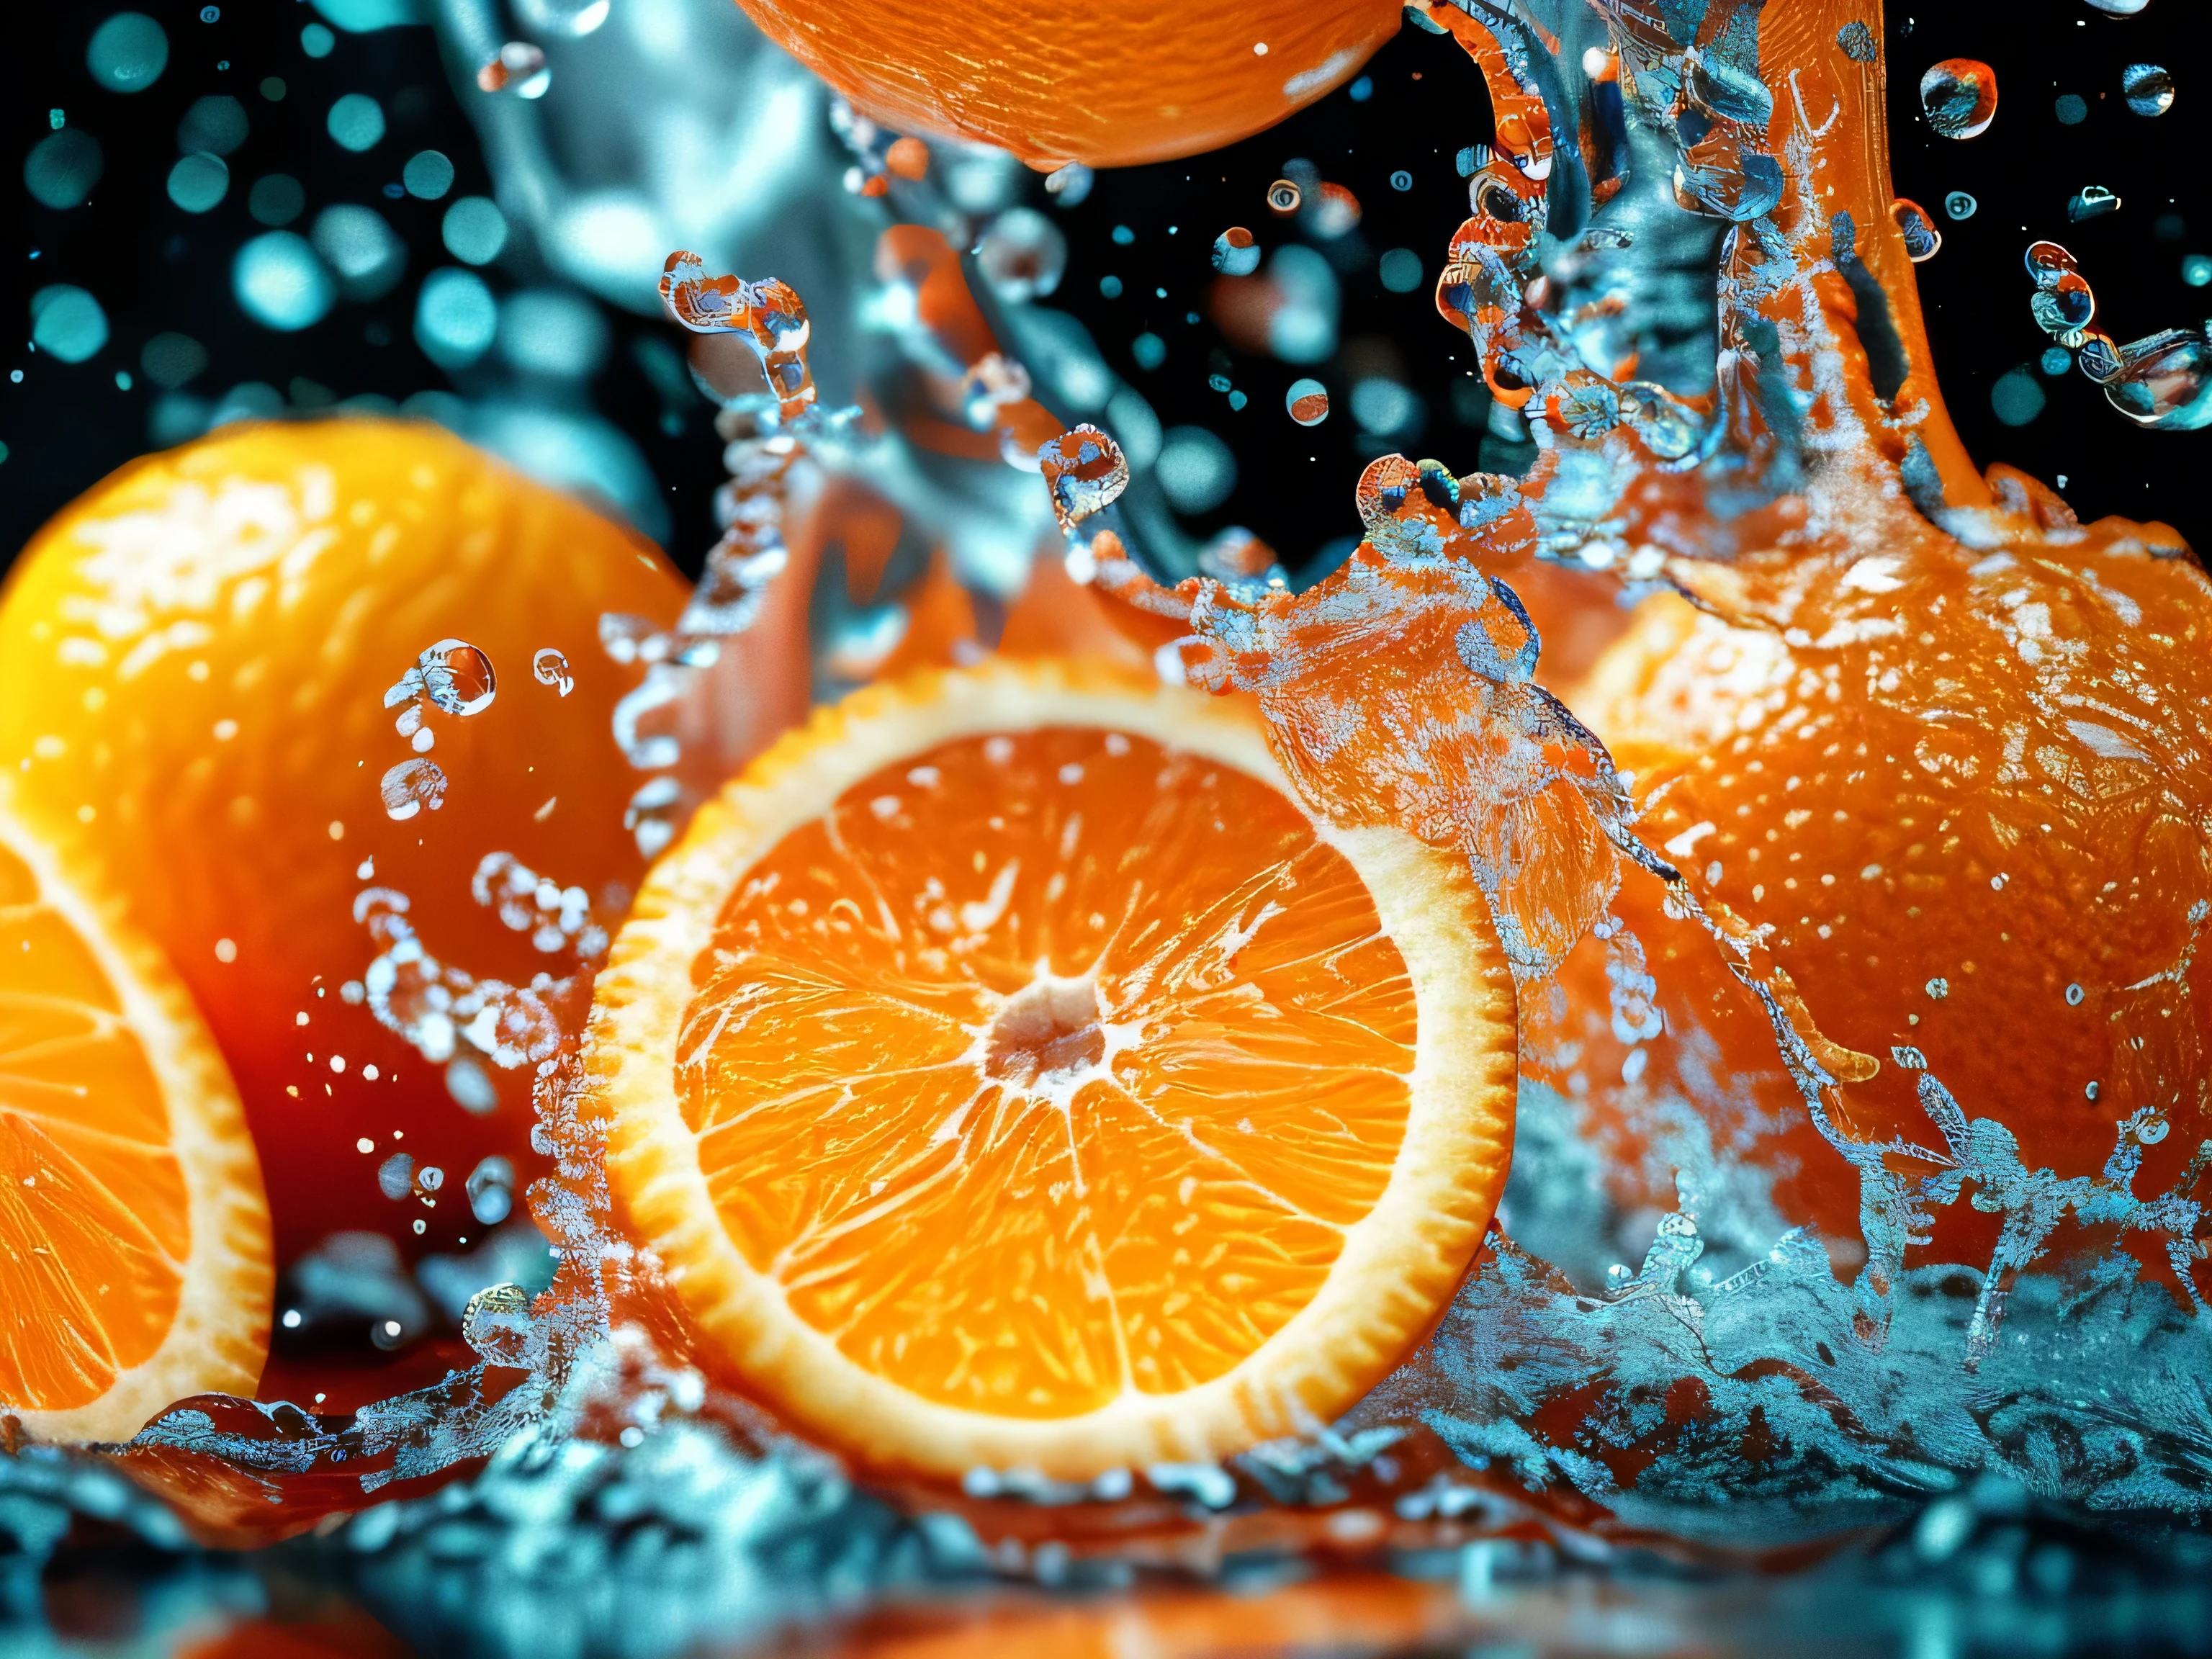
(1112, 83)
(200, 780)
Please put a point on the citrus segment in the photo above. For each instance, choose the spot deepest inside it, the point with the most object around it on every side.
(1007, 1070)
(134, 1238)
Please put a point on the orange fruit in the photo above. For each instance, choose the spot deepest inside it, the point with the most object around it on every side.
(1007, 1071)
(1111, 84)
(1965, 792)
(204, 687)
(134, 1238)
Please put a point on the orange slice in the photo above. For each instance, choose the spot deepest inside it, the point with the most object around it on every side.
(135, 1262)
(1006, 1071)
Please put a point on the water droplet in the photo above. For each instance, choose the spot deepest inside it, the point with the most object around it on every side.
(1236, 251)
(456, 319)
(1401, 180)
(454, 675)
(2148, 88)
(62, 167)
(1959, 205)
(412, 785)
(2151, 1130)
(490, 1188)
(474, 230)
(549, 667)
(2070, 109)
(2091, 202)
(276, 200)
(1070, 185)
(280, 283)
(496, 1324)
(68, 323)
(356, 122)
(1922, 241)
(1939, 988)
(513, 69)
(1335, 211)
(1196, 471)
(1959, 97)
(1284, 198)
(428, 175)
(1400, 270)
(573, 18)
(1086, 471)
(2075, 995)
(1307, 401)
(364, 251)
(215, 123)
(2163, 381)
(1022, 255)
(128, 52)
(471, 1086)
(395, 1177)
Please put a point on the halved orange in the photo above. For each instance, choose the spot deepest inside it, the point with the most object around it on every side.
(1007, 1071)
(135, 1265)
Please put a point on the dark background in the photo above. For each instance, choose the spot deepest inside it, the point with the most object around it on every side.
(155, 267)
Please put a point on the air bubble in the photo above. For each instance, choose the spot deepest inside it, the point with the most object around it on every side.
(411, 786)
(1307, 401)
(550, 667)
(1959, 97)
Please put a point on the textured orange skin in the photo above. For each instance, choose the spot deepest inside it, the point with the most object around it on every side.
(1111, 84)
(482, 553)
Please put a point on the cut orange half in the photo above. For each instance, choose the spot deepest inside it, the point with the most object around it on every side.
(135, 1263)
(1007, 1071)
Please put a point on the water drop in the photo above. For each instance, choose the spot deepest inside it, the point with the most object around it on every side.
(1959, 97)
(2153, 1130)
(1400, 270)
(2163, 382)
(573, 18)
(1335, 212)
(513, 69)
(456, 319)
(490, 1188)
(1959, 205)
(474, 230)
(1401, 180)
(68, 323)
(276, 200)
(1086, 471)
(128, 52)
(198, 182)
(1922, 241)
(1022, 255)
(1307, 401)
(1236, 251)
(280, 283)
(215, 123)
(549, 667)
(395, 1177)
(411, 786)
(496, 1324)
(428, 175)
(457, 677)
(1070, 185)
(2091, 202)
(356, 122)
(2149, 89)
(1939, 988)
(62, 167)
(1284, 198)
(364, 251)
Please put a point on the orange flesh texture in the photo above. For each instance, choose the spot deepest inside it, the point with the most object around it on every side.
(1130, 1178)
(283, 578)
(1111, 84)
(94, 1223)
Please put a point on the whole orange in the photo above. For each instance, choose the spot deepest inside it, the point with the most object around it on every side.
(210, 666)
(1110, 84)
